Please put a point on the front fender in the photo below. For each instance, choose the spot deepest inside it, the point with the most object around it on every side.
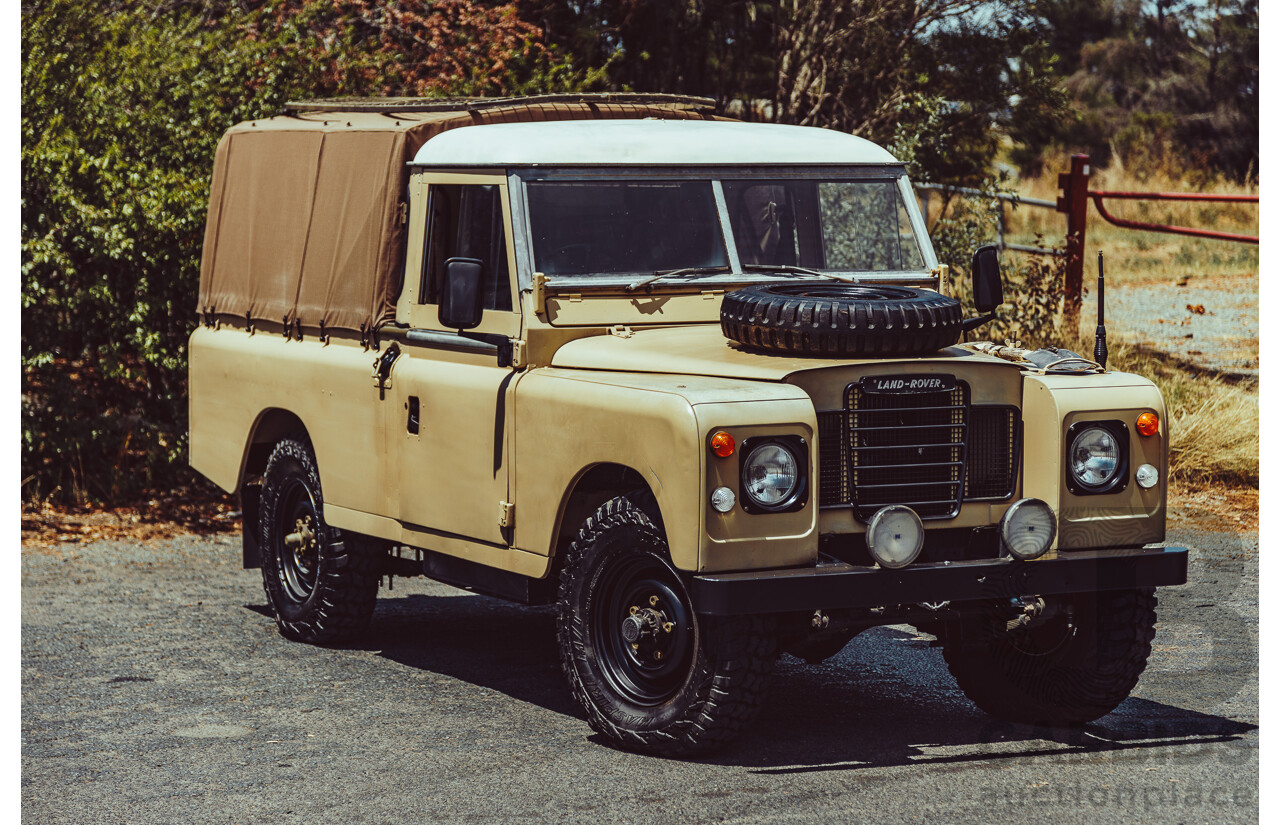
(657, 425)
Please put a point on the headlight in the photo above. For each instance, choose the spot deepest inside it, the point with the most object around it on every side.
(773, 474)
(1096, 456)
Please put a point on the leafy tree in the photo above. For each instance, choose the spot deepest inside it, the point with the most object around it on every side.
(862, 66)
(1169, 84)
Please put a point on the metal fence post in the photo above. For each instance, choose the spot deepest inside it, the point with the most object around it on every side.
(1075, 202)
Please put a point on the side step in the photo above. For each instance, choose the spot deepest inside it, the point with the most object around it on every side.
(477, 578)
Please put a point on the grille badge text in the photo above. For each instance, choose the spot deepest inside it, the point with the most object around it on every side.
(896, 384)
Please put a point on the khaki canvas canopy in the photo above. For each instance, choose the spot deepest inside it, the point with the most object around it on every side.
(305, 220)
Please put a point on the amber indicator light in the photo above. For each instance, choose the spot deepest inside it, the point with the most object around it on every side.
(722, 444)
(1148, 424)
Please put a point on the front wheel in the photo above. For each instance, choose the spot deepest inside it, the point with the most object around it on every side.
(649, 673)
(1074, 667)
(321, 582)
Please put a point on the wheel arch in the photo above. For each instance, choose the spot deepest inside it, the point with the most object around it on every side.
(593, 486)
(271, 425)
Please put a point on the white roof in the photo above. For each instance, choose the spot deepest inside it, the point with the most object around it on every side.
(646, 142)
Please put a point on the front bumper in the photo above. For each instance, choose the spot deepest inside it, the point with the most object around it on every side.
(833, 585)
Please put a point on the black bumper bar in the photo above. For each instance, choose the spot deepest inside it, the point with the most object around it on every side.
(834, 585)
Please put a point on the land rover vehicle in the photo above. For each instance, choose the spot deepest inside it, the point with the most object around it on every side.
(693, 381)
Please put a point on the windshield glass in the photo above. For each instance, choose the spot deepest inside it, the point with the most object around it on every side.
(851, 226)
(595, 228)
(629, 227)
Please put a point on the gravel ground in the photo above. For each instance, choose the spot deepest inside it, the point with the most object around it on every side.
(1210, 322)
(155, 689)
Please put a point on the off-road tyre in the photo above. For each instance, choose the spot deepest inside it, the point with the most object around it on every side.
(1081, 679)
(717, 672)
(852, 320)
(325, 592)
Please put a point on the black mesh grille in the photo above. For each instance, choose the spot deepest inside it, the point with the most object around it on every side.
(993, 453)
(924, 450)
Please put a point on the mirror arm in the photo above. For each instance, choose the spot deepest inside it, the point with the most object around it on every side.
(973, 323)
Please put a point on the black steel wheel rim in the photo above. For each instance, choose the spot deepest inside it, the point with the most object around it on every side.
(652, 669)
(296, 541)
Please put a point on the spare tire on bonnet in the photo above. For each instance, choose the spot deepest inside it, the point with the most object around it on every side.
(862, 320)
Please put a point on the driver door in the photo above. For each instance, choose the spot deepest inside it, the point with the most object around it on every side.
(452, 391)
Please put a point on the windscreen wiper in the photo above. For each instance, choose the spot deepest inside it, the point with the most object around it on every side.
(788, 269)
(688, 271)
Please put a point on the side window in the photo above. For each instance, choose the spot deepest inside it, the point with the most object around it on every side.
(465, 221)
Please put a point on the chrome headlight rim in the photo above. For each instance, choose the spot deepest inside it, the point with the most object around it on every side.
(873, 529)
(798, 494)
(1007, 519)
(1119, 478)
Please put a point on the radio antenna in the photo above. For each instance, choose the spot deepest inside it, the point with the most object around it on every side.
(1100, 343)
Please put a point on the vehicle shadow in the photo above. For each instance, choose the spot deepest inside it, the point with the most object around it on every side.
(886, 700)
(479, 640)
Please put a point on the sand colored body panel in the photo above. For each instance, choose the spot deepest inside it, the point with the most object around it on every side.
(1129, 517)
(656, 425)
(702, 349)
(236, 377)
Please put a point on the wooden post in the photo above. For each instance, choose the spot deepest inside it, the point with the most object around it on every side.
(1075, 202)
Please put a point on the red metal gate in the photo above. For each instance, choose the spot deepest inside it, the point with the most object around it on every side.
(1074, 201)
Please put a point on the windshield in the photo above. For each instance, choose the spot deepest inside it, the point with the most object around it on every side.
(615, 227)
(629, 227)
(851, 226)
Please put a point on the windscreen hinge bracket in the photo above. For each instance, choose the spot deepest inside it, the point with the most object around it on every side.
(540, 294)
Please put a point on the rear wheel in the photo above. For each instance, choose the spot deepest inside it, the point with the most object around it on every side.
(650, 674)
(321, 582)
(1074, 667)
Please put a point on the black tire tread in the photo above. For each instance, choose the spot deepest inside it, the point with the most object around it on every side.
(732, 688)
(764, 317)
(350, 566)
(1016, 689)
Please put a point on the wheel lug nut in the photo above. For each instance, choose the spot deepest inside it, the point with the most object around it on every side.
(657, 654)
(634, 610)
(668, 627)
(653, 600)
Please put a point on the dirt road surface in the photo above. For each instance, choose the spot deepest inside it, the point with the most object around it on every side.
(155, 689)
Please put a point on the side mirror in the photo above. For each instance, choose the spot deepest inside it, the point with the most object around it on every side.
(988, 291)
(461, 296)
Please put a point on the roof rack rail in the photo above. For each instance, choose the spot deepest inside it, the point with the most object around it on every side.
(471, 104)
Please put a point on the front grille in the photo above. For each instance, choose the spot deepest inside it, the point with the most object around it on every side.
(928, 451)
(993, 453)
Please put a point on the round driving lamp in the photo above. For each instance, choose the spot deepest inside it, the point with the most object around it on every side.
(1094, 458)
(1028, 528)
(770, 475)
(895, 535)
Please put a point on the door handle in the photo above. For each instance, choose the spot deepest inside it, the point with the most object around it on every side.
(412, 404)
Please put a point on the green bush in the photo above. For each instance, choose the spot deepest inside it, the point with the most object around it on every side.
(122, 108)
